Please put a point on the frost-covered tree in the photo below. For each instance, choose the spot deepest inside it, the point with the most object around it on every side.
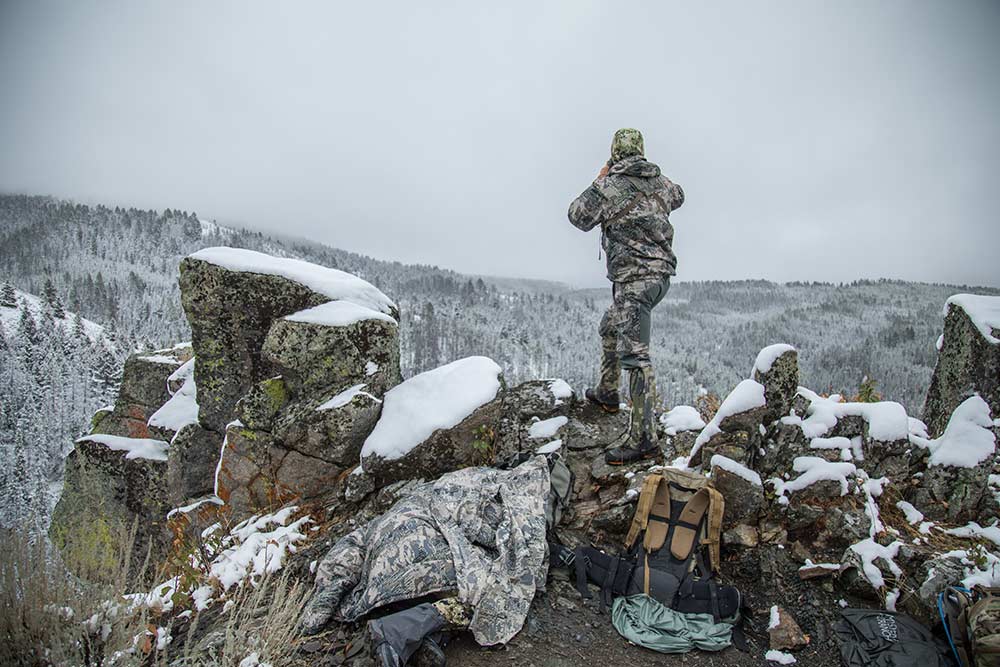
(8, 297)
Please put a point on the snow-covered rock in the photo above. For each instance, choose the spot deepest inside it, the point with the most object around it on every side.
(777, 369)
(735, 427)
(968, 360)
(232, 297)
(955, 484)
(429, 422)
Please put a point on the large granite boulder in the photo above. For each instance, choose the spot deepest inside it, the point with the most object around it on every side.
(742, 489)
(777, 368)
(118, 475)
(968, 359)
(144, 389)
(112, 484)
(231, 297)
(293, 361)
(335, 344)
(954, 486)
(737, 429)
(437, 421)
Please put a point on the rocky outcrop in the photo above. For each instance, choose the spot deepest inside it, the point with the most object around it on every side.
(231, 299)
(292, 382)
(144, 389)
(437, 421)
(117, 476)
(968, 359)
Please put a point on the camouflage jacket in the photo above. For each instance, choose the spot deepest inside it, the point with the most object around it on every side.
(632, 204)
(479, 532)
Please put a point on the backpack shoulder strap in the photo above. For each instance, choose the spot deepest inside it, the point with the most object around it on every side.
(641, 517)
(712, 540)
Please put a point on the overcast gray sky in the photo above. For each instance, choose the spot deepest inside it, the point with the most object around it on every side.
(815, 141)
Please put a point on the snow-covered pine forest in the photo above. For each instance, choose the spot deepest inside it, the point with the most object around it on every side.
(118, 268)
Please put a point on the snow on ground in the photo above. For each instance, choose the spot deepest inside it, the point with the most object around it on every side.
(780, 657)
(681, 418)
(435, 399)
(747, 395)
(973, 529)
(338, 314)
(887, 420)
(371, 368)
(984, 573)
(9, 317)
(767, 357)
(346, 396)
(912, 514)
(814, 469)
(738, 469)
(775, 618)
(182, 408)
(134, 448)
(968, 438)
(984, 311)
(547, 428)
(560, 389)
(869, 551)
(550, 447)
(333, 283)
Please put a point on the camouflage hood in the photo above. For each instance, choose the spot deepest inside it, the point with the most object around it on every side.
(635, 165)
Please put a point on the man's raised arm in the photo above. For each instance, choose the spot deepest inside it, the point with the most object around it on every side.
(586, 210)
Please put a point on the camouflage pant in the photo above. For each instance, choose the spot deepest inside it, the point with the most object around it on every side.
(625, 335)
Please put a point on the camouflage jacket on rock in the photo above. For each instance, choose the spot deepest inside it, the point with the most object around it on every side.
(477, 531)
(632, 204)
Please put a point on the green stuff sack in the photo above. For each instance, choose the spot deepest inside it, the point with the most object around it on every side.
(983, 619)
(644, 621)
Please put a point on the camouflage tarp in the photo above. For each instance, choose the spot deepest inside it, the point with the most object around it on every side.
(477, 531)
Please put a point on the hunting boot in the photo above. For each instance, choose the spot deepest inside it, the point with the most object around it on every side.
(605, 394)
(642, 444)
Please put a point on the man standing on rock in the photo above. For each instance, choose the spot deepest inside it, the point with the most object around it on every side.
(631, 201)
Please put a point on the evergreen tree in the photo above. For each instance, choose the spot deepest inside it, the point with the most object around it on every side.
(52, 301)
(8, 297)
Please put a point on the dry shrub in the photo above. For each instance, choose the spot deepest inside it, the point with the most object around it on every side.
(51, 617)
(261, 619)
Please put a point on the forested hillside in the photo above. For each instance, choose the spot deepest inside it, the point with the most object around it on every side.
(118, 267)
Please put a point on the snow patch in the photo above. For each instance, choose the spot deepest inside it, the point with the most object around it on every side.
(887, 420)
(747, 395)
(436, 399)
(547, 428)
(371, 368)
(984, 311)
(738, 469)
(333, 283)
(968, 438)
(869, 551)
(912, 514)
(182, 408)
(346, 396)
(337, 314)
(780, 657)
(681, 418)
(974, 530)
(550, 447)
(814, 469)
(767, 357)
(134, 448)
